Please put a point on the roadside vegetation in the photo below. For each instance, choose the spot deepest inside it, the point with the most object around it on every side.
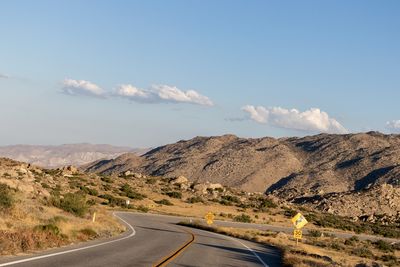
(315, 249)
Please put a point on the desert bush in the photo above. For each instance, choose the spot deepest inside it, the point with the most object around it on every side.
(128, 191)
(383, 246)
(265, 203)
(174, 194)
(362, 252)
(243, 218)
(164, 202)
(114, 201)
(233, 199)
(90, 191)
(107, 179)
(351, 241)
(73, 203)
(195, 199)
(314, 233)
(151, 181)
(51, 227)
(6, 197)
(89, 232)
(142, 208)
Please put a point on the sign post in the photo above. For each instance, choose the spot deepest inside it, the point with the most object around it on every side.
(299, 222)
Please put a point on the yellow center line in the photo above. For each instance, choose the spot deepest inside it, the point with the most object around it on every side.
(175, 254)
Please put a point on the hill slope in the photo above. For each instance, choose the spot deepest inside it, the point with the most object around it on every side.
(290, 167)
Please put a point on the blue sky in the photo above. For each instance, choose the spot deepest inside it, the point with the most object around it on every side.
(146, 73)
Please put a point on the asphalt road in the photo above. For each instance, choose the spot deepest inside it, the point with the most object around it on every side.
(152, 239)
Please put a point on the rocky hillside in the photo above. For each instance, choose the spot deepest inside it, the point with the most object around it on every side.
(296, 169)
(63, 155)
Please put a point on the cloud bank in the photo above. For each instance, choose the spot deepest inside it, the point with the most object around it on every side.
(312, 120)
(82, 87)
(162, 94)
(393, 125)
(155, 94)
(3, 76)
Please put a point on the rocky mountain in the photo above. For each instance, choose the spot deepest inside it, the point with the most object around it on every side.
(304, 170)
(70, 154)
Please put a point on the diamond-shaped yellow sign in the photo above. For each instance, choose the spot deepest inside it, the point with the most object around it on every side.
(299, 221)
(209, 218)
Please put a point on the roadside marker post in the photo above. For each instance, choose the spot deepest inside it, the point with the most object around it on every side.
(299, 222)
(94, 217)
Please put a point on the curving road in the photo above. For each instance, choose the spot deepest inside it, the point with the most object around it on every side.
(154, 240)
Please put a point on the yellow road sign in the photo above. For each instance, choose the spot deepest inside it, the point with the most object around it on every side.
(209, 218)
(299, 221)
(297, 233)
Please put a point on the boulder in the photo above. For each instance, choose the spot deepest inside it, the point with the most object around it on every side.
(180, 180)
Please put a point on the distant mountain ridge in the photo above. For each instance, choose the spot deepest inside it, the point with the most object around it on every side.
(62, 155)
(293, 167)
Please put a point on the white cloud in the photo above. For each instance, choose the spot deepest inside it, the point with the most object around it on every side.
(160, 94)
(3, 76)
(393, 125)
(313, 120)
(81, 87)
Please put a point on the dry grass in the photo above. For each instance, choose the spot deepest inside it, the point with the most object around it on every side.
(303, 254)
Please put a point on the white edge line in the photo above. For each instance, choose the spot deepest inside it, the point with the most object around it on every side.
(248, 248)
(74, 250)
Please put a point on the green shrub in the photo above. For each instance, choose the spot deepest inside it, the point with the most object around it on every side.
(363, 252)
(90, 191)
(128, 191)
(196, 199)
(383, 246)
(107, 179)
(314, 233)
(73, 203)
(151, 181)
(164, 202)
(89, 232)
(6, 197)
(233, 199)
(174, 194)
(142, 208)
(243, 218)
(51, 228)
(113, 201)
(265, 203)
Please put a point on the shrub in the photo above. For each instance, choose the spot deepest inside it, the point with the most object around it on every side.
(51, 228)
(46, 186)
(351, 241)
(383, 246)
(363, 252)
(174, 194)
(164, 202)
(89, 232)
(233, 199)
(151, 181)
(107, 179)
(142, 208)
(73, 203)
(113, 201)
(6, 198)
(266, 203)
(314, 233)
(243, 218)
(90, 191)
(196, 199)
(129, 192)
